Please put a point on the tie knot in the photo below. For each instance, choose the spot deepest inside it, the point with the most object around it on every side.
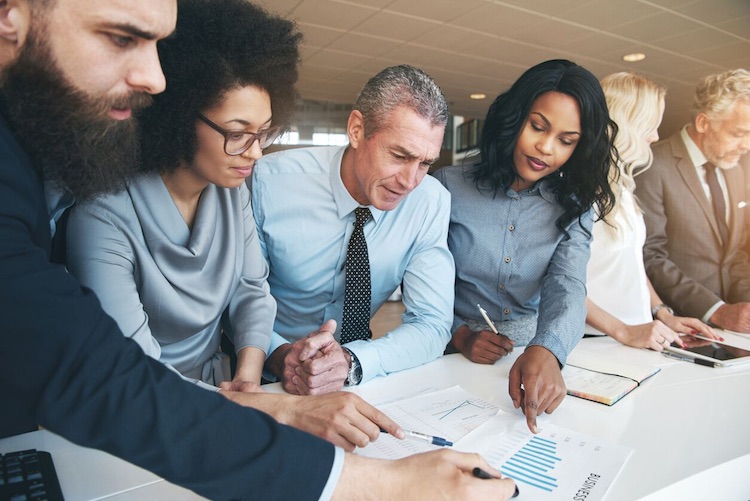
(710, 168)
(362, 214)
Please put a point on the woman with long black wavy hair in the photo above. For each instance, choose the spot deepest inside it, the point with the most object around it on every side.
(521, 223)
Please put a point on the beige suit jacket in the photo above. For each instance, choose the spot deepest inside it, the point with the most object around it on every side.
(689, 266)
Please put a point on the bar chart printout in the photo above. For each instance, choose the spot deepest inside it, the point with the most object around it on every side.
(557, 463)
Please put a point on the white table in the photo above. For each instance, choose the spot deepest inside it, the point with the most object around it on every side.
(688, 426)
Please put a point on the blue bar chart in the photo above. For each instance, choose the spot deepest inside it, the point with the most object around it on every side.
(556, 463)
(533, 463)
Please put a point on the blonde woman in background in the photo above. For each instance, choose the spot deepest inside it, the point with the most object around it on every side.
(621, 301)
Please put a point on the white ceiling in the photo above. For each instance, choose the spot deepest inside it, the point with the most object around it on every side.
(484, 45)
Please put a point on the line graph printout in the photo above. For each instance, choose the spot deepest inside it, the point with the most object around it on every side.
(554, 464)
(449, 413)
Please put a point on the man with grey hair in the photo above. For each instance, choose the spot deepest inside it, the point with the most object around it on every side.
(694, 201)
(343, 227)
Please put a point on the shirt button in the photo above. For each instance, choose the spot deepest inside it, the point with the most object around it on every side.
(506, 311)
(501, 287)
(507, 259)
(512, 227)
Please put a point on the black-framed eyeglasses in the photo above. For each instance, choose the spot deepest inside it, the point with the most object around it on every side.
(238, 142)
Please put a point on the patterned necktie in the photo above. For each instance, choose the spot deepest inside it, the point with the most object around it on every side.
(717, 200)
(356, 319)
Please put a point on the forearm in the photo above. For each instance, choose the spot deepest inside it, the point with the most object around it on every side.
(280, 406)
(562, 315)
(250, 362)
(654, 298)
(359, 472)
(604, 321)
(407, 346)
(562, 305)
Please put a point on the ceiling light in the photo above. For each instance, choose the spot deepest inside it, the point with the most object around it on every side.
(635, 56)
(478, 95)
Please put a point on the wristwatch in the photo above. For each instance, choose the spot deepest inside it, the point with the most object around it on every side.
(355, 370)
(658, 307)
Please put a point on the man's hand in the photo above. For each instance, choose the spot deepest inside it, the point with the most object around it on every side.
(313, 365)
(538, 370)
(323, 363)
(483, 347)
(342, 418)
(443, 474)
(733, 317)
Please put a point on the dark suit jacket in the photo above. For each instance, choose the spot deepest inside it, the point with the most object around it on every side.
(64, 365)
(685, 259)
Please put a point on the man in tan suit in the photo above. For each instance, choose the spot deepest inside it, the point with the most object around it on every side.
(695, 204)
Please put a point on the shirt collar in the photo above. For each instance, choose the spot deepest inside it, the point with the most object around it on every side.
(345, 203)
(695, 154)
(58, 199)
(542, 188)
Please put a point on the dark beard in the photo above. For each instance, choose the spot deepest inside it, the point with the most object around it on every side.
(67, 133)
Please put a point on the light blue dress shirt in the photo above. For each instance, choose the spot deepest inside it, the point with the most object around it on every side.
(512, 259)
(305, 216)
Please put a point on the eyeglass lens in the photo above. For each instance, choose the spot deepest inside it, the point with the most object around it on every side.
(238, 142)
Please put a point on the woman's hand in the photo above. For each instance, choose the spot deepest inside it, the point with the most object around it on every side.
(653, 335)
(483, 347)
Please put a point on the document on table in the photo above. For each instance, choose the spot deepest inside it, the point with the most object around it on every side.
(450, 414)
(556, 463)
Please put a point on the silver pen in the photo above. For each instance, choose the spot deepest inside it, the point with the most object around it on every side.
(486, 317)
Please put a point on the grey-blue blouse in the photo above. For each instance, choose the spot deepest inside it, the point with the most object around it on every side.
(511, 258)
(170, 289)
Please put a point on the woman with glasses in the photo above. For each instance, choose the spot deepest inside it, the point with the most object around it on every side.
(175, 258)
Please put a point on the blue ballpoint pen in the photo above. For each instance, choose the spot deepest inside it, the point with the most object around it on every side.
(424, 438)
(428, 438)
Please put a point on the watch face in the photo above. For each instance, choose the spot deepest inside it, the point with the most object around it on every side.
(355, 371)
(357, 376)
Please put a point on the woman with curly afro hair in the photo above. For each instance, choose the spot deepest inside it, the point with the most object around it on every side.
(175, 257)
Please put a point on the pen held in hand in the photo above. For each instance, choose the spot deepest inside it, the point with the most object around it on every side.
(423, 437)
(486, 317)
(480, 473)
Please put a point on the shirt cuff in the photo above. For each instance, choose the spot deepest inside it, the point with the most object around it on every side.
(711, 311)
(276, 341)
(333, 477)
(552, 344)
